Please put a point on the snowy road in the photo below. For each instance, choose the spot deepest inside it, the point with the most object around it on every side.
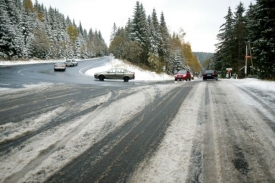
(197, 131)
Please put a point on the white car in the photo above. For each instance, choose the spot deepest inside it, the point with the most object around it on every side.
(59, 66)
(71, 63)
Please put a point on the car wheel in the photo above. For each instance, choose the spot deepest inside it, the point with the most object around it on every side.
(101, 78)
(126, 79)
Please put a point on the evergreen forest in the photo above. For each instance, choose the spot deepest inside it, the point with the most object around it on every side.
(30, 31)
(247, 41)
(146, 41)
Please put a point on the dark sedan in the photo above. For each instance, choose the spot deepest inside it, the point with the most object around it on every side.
(115, 73)
(210, 74)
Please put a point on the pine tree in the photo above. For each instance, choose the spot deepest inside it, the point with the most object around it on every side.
(164, 51)
(140, 32)
(224, 54)
(5, 34)
(262, 37)
(156, 31)
(29, 30)
(113, 33)
(240, 37)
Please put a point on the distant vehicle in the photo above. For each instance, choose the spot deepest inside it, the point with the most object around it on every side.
(210, 74)
(59, 66)
(115, 73)
(71, 63)
(183, 75)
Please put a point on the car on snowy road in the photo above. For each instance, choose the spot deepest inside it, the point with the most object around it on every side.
(115, 73)
(210, 74)
(71, 63)
(183, 75)
(59, 66)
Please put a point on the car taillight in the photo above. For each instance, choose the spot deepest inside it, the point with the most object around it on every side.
(204, 74)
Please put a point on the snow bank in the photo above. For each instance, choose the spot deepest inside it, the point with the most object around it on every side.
(140, 74)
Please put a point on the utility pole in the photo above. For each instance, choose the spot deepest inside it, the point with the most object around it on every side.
(245, 67)
(247, 46)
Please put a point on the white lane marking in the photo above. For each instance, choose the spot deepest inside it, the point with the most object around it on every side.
(81, 72)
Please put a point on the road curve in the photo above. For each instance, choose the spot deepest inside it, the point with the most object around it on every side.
(78, 131)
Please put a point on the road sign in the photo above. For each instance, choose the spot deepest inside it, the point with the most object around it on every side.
(229, 69)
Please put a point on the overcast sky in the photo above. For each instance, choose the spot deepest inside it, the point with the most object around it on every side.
(200, 19)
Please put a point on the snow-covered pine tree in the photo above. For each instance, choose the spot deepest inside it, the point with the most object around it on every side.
(113, 33)
(153, 59)
(156, 33)
(262, 36)
(164, 51)
(224, 52)
(8, 30)
(240, 38)
(140, 32)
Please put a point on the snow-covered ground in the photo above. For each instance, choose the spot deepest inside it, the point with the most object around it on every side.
(139, 73)
(170, 162)
(27, 62)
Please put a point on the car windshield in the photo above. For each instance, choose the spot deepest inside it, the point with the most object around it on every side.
(182, 72)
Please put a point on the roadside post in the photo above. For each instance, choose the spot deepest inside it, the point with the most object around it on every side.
(229, 71)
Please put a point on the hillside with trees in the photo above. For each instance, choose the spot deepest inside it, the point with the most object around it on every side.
(248, 37)
(30, 30)
(146, 41)
(204, 58)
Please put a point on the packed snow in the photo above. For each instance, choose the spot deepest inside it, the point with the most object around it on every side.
(169, 163)
(139, 73)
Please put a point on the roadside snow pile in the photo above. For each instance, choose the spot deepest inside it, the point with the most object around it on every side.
(254, 83)
(28, 62)
(139, 73)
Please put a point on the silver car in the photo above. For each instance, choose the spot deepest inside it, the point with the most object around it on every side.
(71, 63)
(115, 73)
(59, 66)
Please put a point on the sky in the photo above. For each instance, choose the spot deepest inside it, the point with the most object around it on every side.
(200, 19)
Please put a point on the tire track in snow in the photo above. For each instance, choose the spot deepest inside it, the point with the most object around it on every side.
(240, 150)
(59, 145)
(137, 139)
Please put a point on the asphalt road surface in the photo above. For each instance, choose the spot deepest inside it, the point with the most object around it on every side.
(77, 129)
